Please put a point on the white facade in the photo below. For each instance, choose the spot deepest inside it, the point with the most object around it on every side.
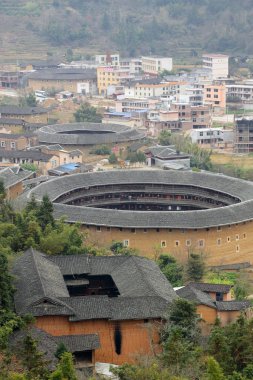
(155, 65)
(242, 91)
(211, 135)
(217, 64)
(105, 59)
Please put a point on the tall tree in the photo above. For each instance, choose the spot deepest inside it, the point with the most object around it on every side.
(6, 286)
(87, 113)
(45, 213)
(195, 267)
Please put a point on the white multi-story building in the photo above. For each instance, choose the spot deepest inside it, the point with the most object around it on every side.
(134, 65)
(155, 65)
(211, 136)
(217, 64)
(242, 91)
(107, 59)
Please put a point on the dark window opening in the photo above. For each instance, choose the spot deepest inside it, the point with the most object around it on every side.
(117, 340)
(83, 357)
(219, 296)
(85, 285)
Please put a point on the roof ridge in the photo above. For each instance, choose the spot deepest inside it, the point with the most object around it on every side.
(146, 280)
(38, 272)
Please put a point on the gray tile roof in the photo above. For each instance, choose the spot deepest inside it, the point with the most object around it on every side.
(25, 154)
(234, 213)
(74, 134)
(77, 343)
(15, 110)
(37, 279)
(41, 289)
(11, 121)
(164, 152)
(48, 344)
(232, 305)
(236, 266)
(10, 176)
(64, 74)
(197, 296)
(213, 288)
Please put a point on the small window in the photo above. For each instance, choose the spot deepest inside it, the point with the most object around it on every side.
(237, 248)
(133, 230)
(244, 236)
(108, 228)
(237, 237)
(188, 243)
(13, 145)
(158, 230)
(201, 243)
(177, 243)
(219, 228)
(2, 144)
(121, 229)
(145, 230)
(98, 228)
(218, 241)
(163, 244)
(228, 239)
(126, 243)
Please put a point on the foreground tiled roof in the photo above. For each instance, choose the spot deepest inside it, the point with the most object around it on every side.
(48, 344)
(232, 305)
(41, 289)
(234, 213)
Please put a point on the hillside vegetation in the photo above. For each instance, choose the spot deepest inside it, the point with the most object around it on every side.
(175, 27)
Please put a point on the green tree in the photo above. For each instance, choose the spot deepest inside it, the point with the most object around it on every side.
(33, 360)
(60, 350)
(165, 138)
(171, 269)
(6, 286)
(45, 213)
(87, 113)
(195, 267)
(28, 100)
(214, 371)
(65, 369)
(113, 159)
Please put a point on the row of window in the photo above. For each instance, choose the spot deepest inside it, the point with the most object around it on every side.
(3, 144)
(201, 244)
(145, 230)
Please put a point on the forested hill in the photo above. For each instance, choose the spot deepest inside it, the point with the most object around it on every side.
(174, 27)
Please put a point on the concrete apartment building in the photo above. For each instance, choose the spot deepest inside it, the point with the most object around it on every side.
(110, 75)
(217, 64)
(108, 59)
(243, 137)
(192, 117)
(242, 91)
(135, 104)
(134, 65)
(212, 136)
(154, 65)
(215, 95)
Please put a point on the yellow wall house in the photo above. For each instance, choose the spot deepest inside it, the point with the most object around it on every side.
(73, 80)
(28, 114)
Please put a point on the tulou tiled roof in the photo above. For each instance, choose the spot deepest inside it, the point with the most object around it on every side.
(16, 110)
(144, 292)
(233, 213)
(87, 134)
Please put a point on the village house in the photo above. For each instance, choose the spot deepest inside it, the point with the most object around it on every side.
(155, 64)
(167, 157)
(11, 141)
(64, 156)
(13, 178)
(213, 301)
(78, 81)
(118, 299)
(27, 114)
(217, 64)
(215, 95)
(110, 75)
(43, 162)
